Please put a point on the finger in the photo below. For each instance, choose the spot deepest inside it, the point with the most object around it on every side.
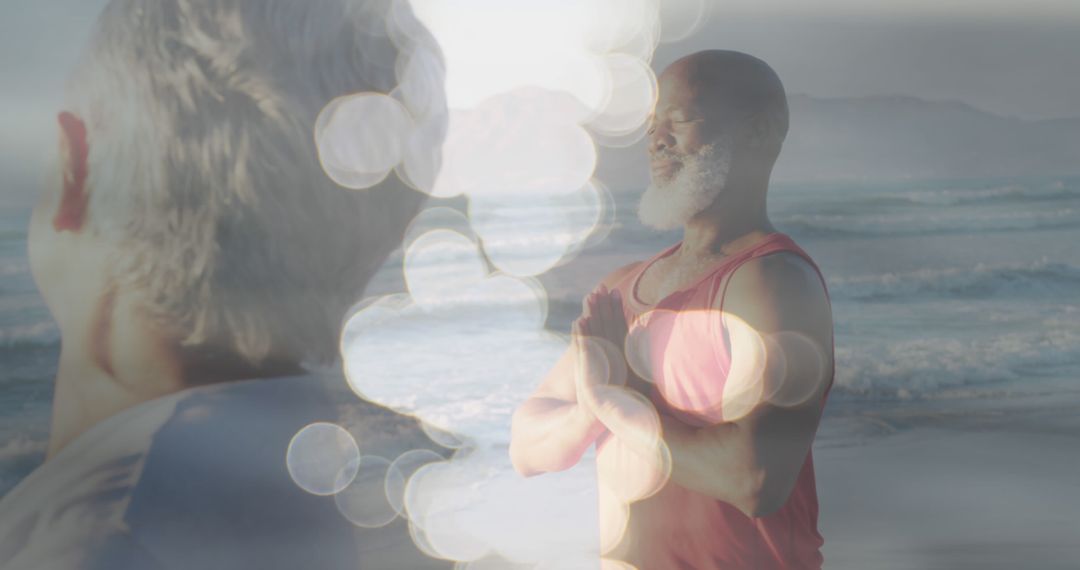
(586, 326)
(614, 319)
(615, 307)
(619, 319)
(617, 304)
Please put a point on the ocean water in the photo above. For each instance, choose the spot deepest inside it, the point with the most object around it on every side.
(956, 291)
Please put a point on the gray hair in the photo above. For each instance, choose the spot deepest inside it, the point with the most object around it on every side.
(204, 171)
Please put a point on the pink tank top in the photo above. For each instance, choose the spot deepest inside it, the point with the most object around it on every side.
(690, 359)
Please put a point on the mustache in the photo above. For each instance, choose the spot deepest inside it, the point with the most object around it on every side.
(666, 154)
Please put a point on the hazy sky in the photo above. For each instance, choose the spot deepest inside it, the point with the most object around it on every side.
(1002, 56)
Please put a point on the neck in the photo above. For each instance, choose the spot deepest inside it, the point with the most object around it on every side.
(736, 219)
(110, 361)
(119, 359)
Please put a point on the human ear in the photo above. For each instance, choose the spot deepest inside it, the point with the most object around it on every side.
(70, 213)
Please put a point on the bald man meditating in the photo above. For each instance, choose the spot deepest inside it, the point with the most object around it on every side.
(701, 373)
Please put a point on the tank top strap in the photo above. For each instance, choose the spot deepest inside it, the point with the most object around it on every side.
(773, 243)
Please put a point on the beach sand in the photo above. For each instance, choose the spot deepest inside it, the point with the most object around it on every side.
(910, 486)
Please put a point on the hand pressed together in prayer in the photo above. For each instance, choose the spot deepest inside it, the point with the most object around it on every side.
(603, 318)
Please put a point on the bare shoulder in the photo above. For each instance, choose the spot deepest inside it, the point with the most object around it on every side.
(780, 291)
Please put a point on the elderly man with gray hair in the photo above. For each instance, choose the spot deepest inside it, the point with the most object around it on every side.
(198, 262)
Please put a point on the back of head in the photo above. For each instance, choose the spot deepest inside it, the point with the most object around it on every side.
(204, 173)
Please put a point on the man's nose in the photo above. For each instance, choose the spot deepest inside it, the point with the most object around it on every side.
(659, 139)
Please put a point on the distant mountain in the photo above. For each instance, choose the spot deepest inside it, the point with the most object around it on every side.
(895, 138)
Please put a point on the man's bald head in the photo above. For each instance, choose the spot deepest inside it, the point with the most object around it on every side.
(721, 116)
(734, 88)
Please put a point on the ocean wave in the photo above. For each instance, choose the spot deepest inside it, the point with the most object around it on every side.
(863, 225)
(18, 457)
(994, 194)
(40, 334)
(21, 446)
(929, 367)
(1039, 278)
(13, 267)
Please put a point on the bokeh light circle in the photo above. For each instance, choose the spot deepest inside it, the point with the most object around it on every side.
(680, 19)
(360, 138)
(401, 470)
(364, 501)
(526, 235)
(643, 353)
(438, 218)
(443, 437)
(624, 139)
(635, 463)
(797, 369)
(322, 458)
(594, 215)
(442, 265)
(614, 517)
(525, 142)
(643, 34)
(438, 498)
(633, 96)
(420, 539)
(744, 385)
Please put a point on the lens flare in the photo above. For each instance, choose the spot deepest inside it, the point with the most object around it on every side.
(626, 26)
(598, 363)
(420, 76)
(527, 235)
(322, 458)
(438, 218)
(592, 217)
(423, 156)
(438, 499)
(399, 357)
(744, 385)
(646, 341)
(640, 31)
(614, 516)
(442, 265)
(584, 561)
(609, 564)
(520, 303)
(523, 142)
(443, 437)
(680, 19)
(797, 369)
(492, 563)
(496, 47)
(633, 96)
(623, 140)
(363, 502)
(634, 463)
(666, 347)
(401, 470)
(360, 138)
(420, 539)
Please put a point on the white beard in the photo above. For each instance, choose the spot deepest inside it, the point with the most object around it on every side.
(669, 204)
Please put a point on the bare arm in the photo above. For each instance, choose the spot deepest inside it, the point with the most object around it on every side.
(753, 461)
(551, 431)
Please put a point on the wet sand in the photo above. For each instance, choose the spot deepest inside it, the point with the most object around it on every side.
(979, 485)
